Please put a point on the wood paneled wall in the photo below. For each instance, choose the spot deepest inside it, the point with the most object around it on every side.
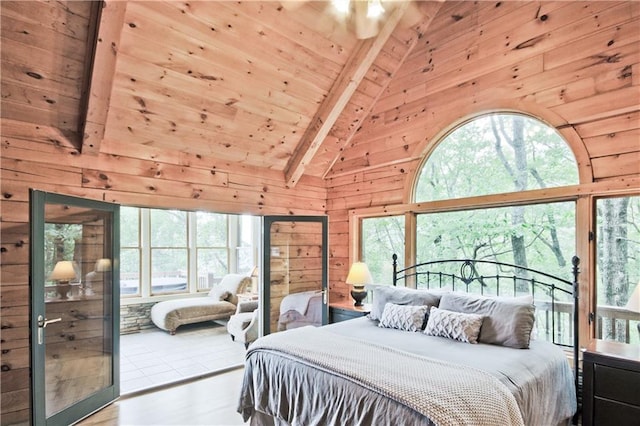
(574, 64)
(38, 157)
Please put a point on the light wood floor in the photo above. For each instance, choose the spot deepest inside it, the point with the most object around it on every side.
(208, 401)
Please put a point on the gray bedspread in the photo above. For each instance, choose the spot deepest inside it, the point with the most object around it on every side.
(291, 392)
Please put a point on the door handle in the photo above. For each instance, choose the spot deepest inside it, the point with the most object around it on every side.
(42, 323)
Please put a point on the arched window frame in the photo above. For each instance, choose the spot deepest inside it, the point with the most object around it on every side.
(565, 131)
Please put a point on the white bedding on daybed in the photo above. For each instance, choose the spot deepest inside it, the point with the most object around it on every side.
(284, 388)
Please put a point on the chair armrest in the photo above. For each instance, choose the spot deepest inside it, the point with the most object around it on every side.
(247, 306)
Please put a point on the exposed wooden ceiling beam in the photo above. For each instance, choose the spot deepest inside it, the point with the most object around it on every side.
(344, 87)
(428, 11)
(103, 70)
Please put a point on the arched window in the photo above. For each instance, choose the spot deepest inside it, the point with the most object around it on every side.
(498, 153)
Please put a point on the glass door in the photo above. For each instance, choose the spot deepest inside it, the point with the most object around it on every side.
(75, 307)
(295, 272)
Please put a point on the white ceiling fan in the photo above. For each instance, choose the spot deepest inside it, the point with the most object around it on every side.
(365, 18)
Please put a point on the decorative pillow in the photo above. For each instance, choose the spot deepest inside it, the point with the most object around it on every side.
(454, 325)
(508, 321)
(218, 293)
(230, 285)
(403, 317)
(383, 294)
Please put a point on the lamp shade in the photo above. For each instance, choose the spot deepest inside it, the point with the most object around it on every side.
(63, 271)
(359, 275)
(103, 265)
(633, 304)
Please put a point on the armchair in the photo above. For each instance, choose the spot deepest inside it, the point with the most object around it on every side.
(243, 325)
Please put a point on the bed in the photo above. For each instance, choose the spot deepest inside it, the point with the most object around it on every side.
(459, 349)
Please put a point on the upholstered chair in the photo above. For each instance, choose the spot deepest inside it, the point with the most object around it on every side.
(243, 325)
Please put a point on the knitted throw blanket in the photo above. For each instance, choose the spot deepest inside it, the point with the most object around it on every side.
(447, 394)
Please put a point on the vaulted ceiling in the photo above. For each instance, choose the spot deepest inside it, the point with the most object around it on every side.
(287, 89)
(269, 84)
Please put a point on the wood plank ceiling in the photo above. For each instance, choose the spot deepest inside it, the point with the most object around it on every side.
(281, 88)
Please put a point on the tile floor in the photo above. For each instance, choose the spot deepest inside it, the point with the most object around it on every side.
(154, 357)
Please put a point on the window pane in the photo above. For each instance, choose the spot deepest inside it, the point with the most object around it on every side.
(168, 270)
(618, 269)
(517, 152)
(540, 236)
(129, 272)
(382, 237)
(129, 227)
(245, 232)
(211, 230)
(168, 228)
(212, 266)
(246, 263)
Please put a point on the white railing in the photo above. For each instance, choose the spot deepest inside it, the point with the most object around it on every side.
(622, 322)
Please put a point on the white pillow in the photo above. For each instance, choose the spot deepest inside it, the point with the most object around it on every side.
(219, 293)
(508, 321)
(229, 287)
(400, 296)
(403, 317)
(454, 325)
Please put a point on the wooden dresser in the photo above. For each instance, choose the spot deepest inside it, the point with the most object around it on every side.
(611, 384)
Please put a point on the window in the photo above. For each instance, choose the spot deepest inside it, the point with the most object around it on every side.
(539, 236)
(496, 153)
(618, 269)
(212, 249)
(130, 251)
(172, 251)
(381, 237)
(499, 153)
(169, 251)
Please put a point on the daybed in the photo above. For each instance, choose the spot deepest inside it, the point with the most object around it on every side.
(474, 362)
(220, 303)
(300, 309)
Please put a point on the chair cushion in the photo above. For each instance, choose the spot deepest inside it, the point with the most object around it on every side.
(238, 322)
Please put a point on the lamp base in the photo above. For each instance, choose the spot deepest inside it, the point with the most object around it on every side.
(358, 295)
(63, 289)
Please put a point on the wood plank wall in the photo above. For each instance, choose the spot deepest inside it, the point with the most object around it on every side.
(39, 157)
(574, 64)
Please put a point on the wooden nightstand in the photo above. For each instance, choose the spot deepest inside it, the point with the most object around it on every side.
(344, 310)
(611, 384)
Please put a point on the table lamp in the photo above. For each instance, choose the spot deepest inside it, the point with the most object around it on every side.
(358, 277)
(63, 272)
